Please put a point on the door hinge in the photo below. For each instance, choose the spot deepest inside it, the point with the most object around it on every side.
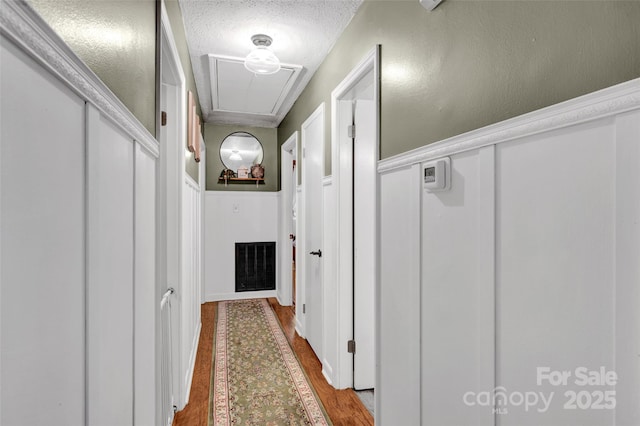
(304, 152)
(351, 131)
(351, 346)
(304, 308)
(163, 118)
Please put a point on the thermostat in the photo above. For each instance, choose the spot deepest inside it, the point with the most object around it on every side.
(436, 175)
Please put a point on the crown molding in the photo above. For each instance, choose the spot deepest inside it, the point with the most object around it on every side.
(607, 102)
(24, 27)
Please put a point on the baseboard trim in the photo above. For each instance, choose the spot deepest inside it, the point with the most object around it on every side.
(192, 364)
(298, 327)
(327, 371)
(216, 297)
(282, 302)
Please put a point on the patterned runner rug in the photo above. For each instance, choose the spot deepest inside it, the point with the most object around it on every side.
(256, 377)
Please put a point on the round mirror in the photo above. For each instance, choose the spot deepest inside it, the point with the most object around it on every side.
(240, 149)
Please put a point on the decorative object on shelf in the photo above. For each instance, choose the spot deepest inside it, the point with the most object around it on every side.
(243, 173)
(262, 60)
(257, 171)
(227, 174)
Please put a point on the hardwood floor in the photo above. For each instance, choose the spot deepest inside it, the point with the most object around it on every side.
(197, 410)
(343, 406)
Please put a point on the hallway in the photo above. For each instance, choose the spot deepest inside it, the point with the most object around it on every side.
(505, 232)
(342, 406)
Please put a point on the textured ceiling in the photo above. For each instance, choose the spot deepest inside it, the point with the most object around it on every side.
(303, 32)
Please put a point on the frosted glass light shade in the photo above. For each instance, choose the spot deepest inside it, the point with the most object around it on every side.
(263, 61)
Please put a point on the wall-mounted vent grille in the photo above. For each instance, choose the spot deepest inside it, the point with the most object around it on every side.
(255, 266)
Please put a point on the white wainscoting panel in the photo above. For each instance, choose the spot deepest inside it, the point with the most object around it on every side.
(232, 217)
(555, 213)
(191, 282)
(110, 180)
(42, 245)
(398, 390)
(457, 302)
(529, 261)
(330, 283)
(627, 272)
(145, 288)
(78, 234)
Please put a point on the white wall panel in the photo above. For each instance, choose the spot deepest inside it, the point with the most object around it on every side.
(399, 332)
(71, 350)
(191, 285)
(555, 213)
(627, 272)
(110, 159)
(42, 246)
(529, 261)
(232, 217)
(457, 293)
(145, 288)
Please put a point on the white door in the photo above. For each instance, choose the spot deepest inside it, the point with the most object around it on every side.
(173, 100)
(364, 232)
(286, 288)
(313, 171)
(356, 100)
(291, 217)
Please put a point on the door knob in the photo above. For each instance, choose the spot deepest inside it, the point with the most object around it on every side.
(316, 253)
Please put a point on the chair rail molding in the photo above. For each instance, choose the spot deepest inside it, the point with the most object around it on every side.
(22, 25)
(607, 102)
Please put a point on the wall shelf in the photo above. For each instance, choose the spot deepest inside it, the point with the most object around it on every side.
(241, 180)
(257, 181)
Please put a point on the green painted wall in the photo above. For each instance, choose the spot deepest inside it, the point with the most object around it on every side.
(213, 137)
(469, 64)
(179, 35)
(117, 40)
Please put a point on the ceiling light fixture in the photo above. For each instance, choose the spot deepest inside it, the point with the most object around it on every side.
(430, 4)
(262, 60)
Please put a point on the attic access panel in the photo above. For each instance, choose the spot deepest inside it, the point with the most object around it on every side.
(235, 89)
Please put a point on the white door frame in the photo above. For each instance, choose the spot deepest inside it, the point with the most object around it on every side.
(202, 174)
(171, 179)
(302, 247)
(300, 261)
(287, 150)
(341, 151)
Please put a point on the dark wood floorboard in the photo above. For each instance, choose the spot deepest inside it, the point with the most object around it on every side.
(343, 406)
